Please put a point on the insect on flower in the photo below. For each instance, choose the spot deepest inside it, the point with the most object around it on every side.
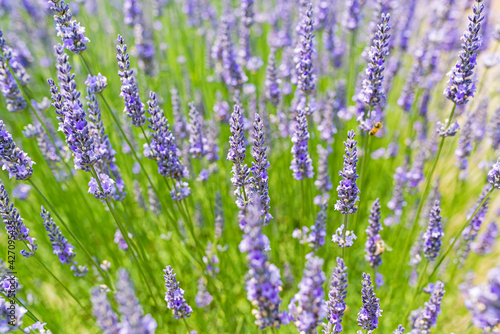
(376, 127)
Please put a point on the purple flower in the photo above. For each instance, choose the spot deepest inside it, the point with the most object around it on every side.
(273, 92)
(342, 239)
(301, 162)
(232, 73)
(219, 216)
(494, 175)
(163, 149)
(348, 190)
(7, 323)
(70, 31)
(21, 191)
(180, 123)
(203, 297)
(307, 307)
(329, 116)
(306, 79)
(10, 90)
(134, 109)
(103, 188)
(323, 182)
(374, 241)
(484, 244)
(426, 318)
(221, 108)
(373, 91)
(433, 237)
(133, 319)
(483, 302)
(175, 296)
(132, 12)
(397, 202)
(353, 15)
(197, 142)
(464, 147)
(14, 224)
(263, 279)
(399, 330)
(336, 305)
(98, 83)
(37, 326)
(14, 160)
(120, 240)
(259, 168)
(494, 130)
(106, 318)
(449, 130)
(370, 311)
(460, 86)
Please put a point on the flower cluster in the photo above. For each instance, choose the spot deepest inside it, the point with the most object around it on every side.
(306, 79)
(426, 318)
(15, 160)
(197, 142)
(484, 244)
(301, 163)
(336, 304)
(10, 90)
(348, 190)
(175, 296)
(106, 318)
(370, 311)
(70, 31)
(344, 239)
(374, 243)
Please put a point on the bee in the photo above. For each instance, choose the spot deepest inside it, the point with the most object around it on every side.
(381, 247)
(376, 127)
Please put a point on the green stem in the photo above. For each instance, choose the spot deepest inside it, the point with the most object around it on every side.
(346, 221)
(80, 244)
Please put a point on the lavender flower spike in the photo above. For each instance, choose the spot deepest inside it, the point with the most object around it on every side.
(273, 93)
(323, 182)
(197, 142)
(464, 147)
(494, 175)
(134, 109)
(427, 317)
(374, 240)
(370, 311)
(263, 280)
(336, 306)
(106, 318)
(353, 15)
(433, 237)
(307, 307)
(339, 239)
(301, 162)
(16, 230)
(10, 90)
(348, 190)
(259, 168)
(70, 31)
(399, 330)
(305, 72)
(484, 244)
(373, 89)
(133, 319)
(14, 160)
(175, 296)
(460, 86)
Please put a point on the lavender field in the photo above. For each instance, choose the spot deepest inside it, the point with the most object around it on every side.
(227, 166)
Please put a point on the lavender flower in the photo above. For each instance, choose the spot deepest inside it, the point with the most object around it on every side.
(399, 330)
(103, 188)
(175, 296)
(373, 90)
(163, 149)
(232, 74)
(460, 86)
(370, 311)
(236, 154)
(326, 126)
(132, 12)
(106, 318)
(483, 302)
(7, 323)
(221, 108)
(426, 318)
(203, 297)
(14, 224)
(37, 327)
(70, 31)
(494, 175)
(494, 130)
(196, 139)
(10, 90)
(348, 190)
(484, 244)
(433, 237)
(374, 241)
(21, 191)
(464, 147)
(307, 307)
(336, 305)
(15, 160)
(469, 234)
(397, 202)
(323, 182)
(263, 279)
(316, 237)
(353, 15)
(97, 83)
(342, 239)
(219, 216)
(153, 201)
(120, 240)
(449, 130)
(133, 319)
(301, 162)
(72, 116)
(273, 92)
(259, 168)
(134, 109)
(180, 123)
(305, 71)
(480, 120)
